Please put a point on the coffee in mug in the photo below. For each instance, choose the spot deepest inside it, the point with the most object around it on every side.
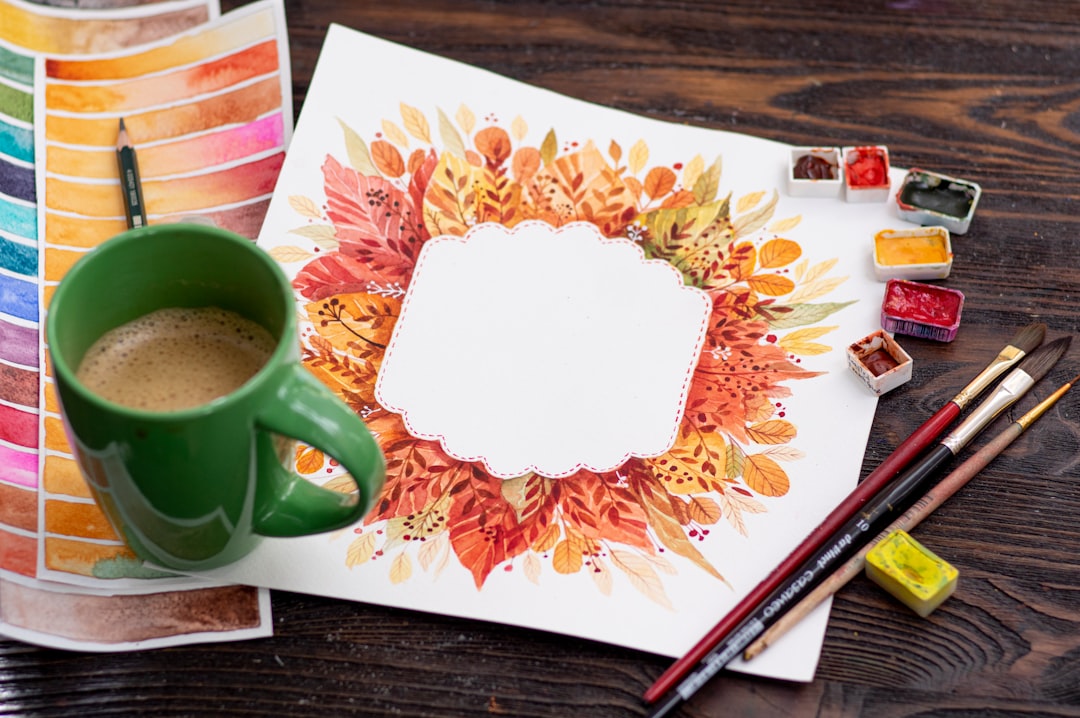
(176, 359)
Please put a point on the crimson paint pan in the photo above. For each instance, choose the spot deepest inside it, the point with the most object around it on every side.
(921, 310)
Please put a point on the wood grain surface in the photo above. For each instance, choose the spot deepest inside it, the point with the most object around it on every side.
(984, 90)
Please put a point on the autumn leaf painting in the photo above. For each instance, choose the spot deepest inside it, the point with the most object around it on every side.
(389, 194)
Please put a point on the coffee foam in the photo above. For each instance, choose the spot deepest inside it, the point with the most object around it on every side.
(175, 358)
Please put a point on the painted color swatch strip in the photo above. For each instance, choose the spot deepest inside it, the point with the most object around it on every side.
(210, 114)
(65, 33)
(129, 619)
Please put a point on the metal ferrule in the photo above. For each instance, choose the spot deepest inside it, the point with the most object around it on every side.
(1010, 389)
(1008, 356)
(1039, 409)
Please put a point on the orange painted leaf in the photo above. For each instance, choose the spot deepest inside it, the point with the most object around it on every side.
(357, 323)
(704, 510)
(765, 476)
(775, 431)
(667, 529)
(387, 158)
(482, 525)
(682, 198)
(494, 144)
(526, 164)
(772, 285)
(659, 181)
(567, 557)
(778, 253)
(308, 459)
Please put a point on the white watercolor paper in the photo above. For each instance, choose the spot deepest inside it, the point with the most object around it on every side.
(394, 148)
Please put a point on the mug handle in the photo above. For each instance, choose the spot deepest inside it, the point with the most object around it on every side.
(286, 504)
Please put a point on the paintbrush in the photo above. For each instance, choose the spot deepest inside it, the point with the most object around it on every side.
(1026, 340)
(911, 518)
(867, 523)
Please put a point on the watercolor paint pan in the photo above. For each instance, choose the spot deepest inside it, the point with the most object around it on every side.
(866, 173)
(921, 310)
(815, 172)
(880, 362)
(923, 253)
(931, 198)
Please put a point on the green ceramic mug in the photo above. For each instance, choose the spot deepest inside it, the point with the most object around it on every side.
(197, 488)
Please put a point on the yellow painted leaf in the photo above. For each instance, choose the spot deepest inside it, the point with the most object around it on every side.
(692, 171)
(360, 550)
(642, 576)
(342, 483)
(639, 155)
(778, 253)
(415, 123)
(807, 333)
(771, 285)
(735, 504)
(708, 184)
(359, 158)
(747, 224)
(451, 138)
(785, 225)
(748, 201)
(466, 119)
(672, 535)
(305, 206)
(704, 510)
(785, 453)
(819, 270)
(775, 431)
(434, 552)
(661, 564)
(814, 290)
(806, 349)
(601, 575)
(765, 476)
(321, 234)
(531, 566)
(394, 133)
(308, 459)
(400, 568)
(567, 558)
(547, 540)
(800, 270)
(289, 253)
(801, 341)
(549, 148)
(450, 201)
(519, 128)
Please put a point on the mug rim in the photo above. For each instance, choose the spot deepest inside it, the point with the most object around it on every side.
(117, 243)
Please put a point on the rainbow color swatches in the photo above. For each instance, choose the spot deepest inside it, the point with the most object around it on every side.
(43, 612)
(28, 33)
(210, 114)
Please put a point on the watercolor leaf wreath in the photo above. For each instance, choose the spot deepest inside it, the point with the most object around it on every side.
(387, 200)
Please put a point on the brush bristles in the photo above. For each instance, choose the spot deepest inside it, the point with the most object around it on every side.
(1044, 358)
(1030, 337)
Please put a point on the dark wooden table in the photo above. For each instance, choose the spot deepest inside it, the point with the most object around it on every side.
(986, 90)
